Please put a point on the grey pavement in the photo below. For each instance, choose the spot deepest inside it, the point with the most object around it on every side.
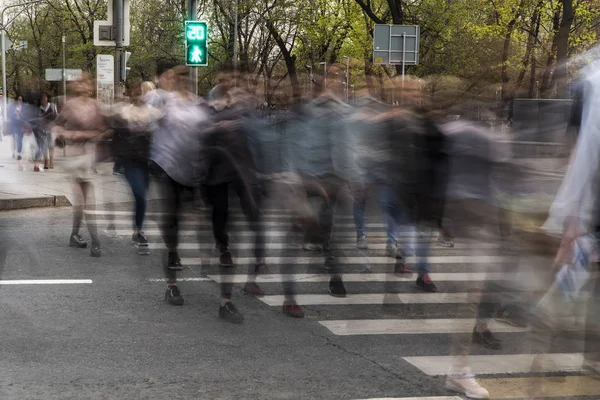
(115, 338)
(24, 189)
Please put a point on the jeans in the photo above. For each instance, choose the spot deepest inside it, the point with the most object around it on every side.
(137, 176)
(18, 138)
(391, 206)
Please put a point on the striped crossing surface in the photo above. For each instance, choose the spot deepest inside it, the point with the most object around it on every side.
(425, 318)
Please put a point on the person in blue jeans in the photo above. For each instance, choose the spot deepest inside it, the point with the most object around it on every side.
(17, 125)
(131, 146)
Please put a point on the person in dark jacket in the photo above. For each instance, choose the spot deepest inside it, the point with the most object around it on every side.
(47, 114)
(233, 119)
(133, 125)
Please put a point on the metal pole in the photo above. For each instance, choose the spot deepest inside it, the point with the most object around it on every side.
(64, 40)
(347, 78)
(403, 57)
(4, 91)
(118, 48)
(193, 16)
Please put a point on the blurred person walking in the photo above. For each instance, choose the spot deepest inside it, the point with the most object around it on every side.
(17, 127)
(81, 124)
(47, 114)
(134, 122)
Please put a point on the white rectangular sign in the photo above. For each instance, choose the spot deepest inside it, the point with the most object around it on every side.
(105, 68)
(105, 78)
(55, 74)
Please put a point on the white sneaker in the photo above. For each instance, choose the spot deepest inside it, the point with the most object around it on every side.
(467, 385)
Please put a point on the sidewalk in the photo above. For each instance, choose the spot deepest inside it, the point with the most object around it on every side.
(52, 188)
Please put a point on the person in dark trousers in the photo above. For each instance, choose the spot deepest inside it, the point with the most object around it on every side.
(133, 123)
(181, 162)
(234, 126)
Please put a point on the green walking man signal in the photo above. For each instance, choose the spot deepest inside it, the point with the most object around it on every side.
(196, 43)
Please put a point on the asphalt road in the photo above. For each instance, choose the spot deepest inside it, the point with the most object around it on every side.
(116, 338)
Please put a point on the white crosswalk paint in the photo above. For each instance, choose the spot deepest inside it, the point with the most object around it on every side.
(182, 280)
(373, 298)
(121, 212)
(411, 326)
(367, 277)
(418, 398)
(268, 233)
(268, 213)
(188, 223)
(343, 246)
(45, 282)
(318, 260)
(500, 363)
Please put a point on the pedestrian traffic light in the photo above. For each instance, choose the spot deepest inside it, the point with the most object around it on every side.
(196, 43)
(124, 68)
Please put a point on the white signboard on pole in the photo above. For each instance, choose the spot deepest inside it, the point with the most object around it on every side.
(105, 78)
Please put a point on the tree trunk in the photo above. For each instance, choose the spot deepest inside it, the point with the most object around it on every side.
(562, 49)
(506, 52)
(546, 84)
(527, 58)
(289, 59)
(532, 73)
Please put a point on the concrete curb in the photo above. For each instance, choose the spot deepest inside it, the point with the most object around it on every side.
(34, 202)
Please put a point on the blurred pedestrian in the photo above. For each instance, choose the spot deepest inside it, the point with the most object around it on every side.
(81, 125)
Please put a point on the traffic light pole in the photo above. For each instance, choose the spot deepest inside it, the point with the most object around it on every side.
(118, 18)
(193, 16)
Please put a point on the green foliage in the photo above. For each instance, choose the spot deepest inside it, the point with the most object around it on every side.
(476, 41)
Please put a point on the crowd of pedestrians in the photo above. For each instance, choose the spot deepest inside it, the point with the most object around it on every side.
(429, 175)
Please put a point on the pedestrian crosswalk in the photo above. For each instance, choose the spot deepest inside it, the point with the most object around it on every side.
(457, 271)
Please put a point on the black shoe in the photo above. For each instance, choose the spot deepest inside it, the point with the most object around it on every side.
(225, 258)
(336, 287)
(425, 284)
(173, 296)
(253, 289)
(140, 241)
(486, 339)
(261, 268)
(291, 309)
(400, 268)
(77, 241)
(511, 316)
(95, 250)
(229, 313)
(174, 262)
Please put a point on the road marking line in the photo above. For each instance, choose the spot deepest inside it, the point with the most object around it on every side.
(374, 298)
(499, 364)
(366, 277)
(277, 213)
(45, 281)
(411, 326)
(269, 233)
(513, 388)
(182, 280)
(317, 259)
(189, 223)
(344, 246)
(418, 398)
